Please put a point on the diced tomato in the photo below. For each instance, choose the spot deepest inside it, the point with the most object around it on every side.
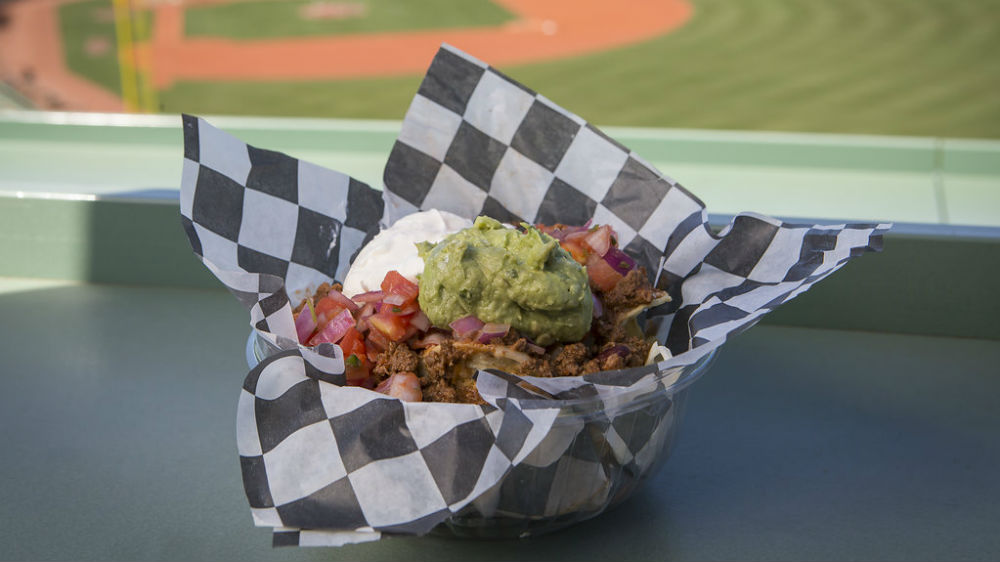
(326, 309)
(601, 274)
(356, 364)
(395, 284)
(356, 368)
(399, 310)
(353, 342)
(411, 331)
(342, 300)
(391, 326)
(576, 250)
(375, 342)
(546, 229)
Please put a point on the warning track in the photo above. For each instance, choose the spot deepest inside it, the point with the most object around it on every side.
(32, 60)
(543, 30)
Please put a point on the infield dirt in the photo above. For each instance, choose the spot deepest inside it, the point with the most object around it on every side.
(542, 30)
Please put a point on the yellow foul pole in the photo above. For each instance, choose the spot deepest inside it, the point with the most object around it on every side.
(126, 54)
(143, 64)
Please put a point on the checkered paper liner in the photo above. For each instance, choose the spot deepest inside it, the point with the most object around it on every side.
(328, 464)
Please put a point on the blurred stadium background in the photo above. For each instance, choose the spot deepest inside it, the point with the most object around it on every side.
(896, 67)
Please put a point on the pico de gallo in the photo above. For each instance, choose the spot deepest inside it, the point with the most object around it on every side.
(390, 346)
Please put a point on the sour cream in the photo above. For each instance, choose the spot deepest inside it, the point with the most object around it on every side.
(395, 248)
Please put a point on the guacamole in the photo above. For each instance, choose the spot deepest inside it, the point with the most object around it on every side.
(523, 279)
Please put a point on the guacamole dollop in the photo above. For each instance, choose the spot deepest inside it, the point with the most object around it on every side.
(524, 279)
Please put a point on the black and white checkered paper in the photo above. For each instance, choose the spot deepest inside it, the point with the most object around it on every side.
(326, 464)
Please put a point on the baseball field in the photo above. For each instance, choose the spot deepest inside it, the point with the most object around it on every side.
(907, 67)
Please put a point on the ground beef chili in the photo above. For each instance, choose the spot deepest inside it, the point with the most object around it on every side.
(396, 359)
(391, 340)
(632, 290)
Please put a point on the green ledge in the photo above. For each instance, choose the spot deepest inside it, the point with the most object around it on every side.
(93, 198)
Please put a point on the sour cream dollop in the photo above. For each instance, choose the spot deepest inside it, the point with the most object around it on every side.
(395, 248)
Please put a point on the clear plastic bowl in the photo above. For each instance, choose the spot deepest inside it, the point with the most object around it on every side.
(596, 456)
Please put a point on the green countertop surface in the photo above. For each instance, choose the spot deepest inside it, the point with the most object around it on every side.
(119, 405)
(803, 442)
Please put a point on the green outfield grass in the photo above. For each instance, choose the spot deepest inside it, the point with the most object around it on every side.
(911, 67)
(90, 20)
(906, 67)
(282, 18)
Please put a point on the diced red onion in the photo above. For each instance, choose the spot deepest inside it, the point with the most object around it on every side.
(562, 232)
(396, 300)
(367, 310)
(619, 350)
(432, 338)
(599, 240)
(551, 231)
(335, 329)
(343, 301)
(305, 324)
(577, 236)
(619, 260)
(534, 348)
(370, 296)
(421, 321)
(491, 331)
(598, 307)
(405, 386)
(569, 231)
(465, 326)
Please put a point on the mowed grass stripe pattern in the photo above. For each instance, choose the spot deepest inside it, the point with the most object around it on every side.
(919, 67)
(86, 22)
(289, 18)
(909, 67)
